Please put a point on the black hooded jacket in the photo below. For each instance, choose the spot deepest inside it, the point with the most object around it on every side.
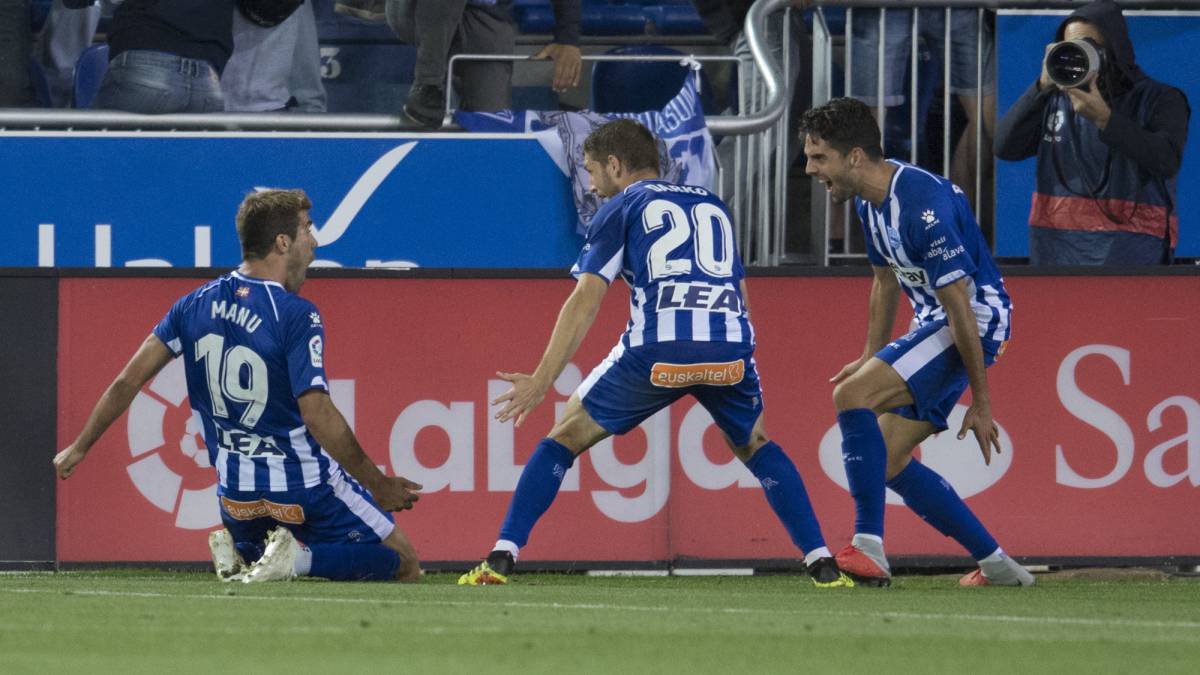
(1157, 148)
(1117, 179)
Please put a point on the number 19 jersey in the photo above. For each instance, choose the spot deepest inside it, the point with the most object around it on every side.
(250, 348)
(674, 246)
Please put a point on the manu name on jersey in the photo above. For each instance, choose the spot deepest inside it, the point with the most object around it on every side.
(674, 246)
(925, 231)
(250, 348)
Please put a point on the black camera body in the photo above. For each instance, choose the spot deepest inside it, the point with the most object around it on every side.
(1075, 63)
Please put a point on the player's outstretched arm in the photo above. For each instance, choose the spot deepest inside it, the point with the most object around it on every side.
(881, 317)
(328, 426)
(956, 300)
(574, 320)
(145, 364)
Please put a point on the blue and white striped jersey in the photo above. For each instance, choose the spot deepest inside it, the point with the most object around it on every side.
(926, 233)
(674, 246)
(250, 348)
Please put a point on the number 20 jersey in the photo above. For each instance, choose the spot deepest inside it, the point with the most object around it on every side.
(674, 246)
(250, 348)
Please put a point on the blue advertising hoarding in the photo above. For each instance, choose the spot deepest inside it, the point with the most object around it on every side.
(81, 199)
(1163, 42)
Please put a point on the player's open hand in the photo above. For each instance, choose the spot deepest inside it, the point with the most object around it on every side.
(568, 63)
(397, 493)
(66, 461)
(979, 420)
(849, 369)
(525, 395)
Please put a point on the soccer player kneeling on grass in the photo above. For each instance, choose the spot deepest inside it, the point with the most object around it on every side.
(287, 463)
(923, 239)
(690, 334)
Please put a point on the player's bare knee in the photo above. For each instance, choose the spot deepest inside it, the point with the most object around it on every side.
(745, 452)
(409, 569)
(896, 464)
(849, 394)
(569, 438)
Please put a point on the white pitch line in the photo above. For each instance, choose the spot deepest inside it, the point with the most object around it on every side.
(983, 618)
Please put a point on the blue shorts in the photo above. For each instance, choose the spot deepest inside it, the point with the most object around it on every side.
(340, 511)
(931, 25)
(632, 384)
(930, 364)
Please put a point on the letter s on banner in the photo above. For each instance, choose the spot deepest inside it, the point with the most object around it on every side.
(1095, 414)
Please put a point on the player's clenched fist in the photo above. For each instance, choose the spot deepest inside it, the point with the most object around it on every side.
(66, 461)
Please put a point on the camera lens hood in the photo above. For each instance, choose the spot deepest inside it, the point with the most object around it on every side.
(1073, 63)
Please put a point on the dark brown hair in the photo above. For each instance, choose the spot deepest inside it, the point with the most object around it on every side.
(267, 214)
(628, 141)
(844, 124)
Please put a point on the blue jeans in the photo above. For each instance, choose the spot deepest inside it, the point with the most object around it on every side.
(156, 82)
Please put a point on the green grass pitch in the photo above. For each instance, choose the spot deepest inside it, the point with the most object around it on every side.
(182, 622)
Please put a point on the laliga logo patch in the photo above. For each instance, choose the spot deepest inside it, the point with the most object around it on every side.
(315, 351)
(959, 462)
(150, 415)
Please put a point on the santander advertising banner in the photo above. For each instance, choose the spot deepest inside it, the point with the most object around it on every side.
(1098, 399)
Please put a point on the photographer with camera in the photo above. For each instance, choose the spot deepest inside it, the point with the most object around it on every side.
(1109, 142)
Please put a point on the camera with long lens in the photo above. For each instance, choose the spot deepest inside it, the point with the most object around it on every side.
(1074, 63)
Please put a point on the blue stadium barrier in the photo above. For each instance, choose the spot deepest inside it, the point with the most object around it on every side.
(89, 73)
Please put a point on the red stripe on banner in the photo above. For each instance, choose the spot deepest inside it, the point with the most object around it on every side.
(1098, 403)
(1084, 214)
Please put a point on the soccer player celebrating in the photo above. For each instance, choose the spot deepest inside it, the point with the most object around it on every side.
(922, 238)
(689, 333)
(286, 460)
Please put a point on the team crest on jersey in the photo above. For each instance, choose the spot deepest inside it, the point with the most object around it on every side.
(243, 292)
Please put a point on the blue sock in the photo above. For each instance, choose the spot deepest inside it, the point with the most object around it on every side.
(354, 562)
(536, 489)
(784, 490)
(865, 455)
(932, 498)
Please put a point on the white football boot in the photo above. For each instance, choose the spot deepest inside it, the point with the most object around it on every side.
(278, 561)
(225, 557)
(1002, 572)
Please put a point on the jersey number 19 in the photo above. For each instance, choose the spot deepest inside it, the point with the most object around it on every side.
(225, 368)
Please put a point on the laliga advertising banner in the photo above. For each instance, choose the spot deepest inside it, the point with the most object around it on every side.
(148, 199)
(1096, 397)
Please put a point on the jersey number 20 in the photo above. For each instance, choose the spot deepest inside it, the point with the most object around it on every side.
(225, 370)
(706, 223)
